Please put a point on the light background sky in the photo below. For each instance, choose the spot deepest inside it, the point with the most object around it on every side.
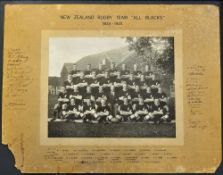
(69, 50)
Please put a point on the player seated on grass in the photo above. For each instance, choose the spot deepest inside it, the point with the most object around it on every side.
(103, 112)
(73, 110)
(89, 111)
(67, 114)
(125, 111)
(140, 111)
(158, 113)
(63, 98)
(148, 97)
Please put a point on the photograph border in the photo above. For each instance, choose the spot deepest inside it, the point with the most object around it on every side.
(123, 141)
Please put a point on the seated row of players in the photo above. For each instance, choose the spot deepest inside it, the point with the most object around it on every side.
(114, 106)
(113, 76)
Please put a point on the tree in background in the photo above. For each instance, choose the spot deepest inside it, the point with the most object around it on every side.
(158, 52)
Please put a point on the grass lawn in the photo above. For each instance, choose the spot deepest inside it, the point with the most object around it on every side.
(70, 129)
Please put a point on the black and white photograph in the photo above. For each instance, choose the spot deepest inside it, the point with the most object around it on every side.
(111, 87)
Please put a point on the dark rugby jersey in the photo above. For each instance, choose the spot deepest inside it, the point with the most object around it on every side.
(100, 71)
(135, 94)
(142, 83)
(76, 80)
(72, 107)
(112, 75)
(100, 79)
(118, 88)
(94, 89)
(147, 95)
(113, 79)
(112, 97)
(77, 101)
(106, 83)
(123, 93)
(63, 95)
(101, 95)
(74, 72)
(160, 95)
(136, 73)
(82, 80)
(88, 80)
(104, 80)
(112, 71)
(131, 82)
(91, 80)
(68, 83)
(125, 72)
(88, 107)
(137, 80)
(82, 89)
(156, 107)
(87, 72)
(103, 108)
(118, 80)
(64, 112)
(154, 82)
(127, 108)
(87, 95)
(148, 73)
(140, 107)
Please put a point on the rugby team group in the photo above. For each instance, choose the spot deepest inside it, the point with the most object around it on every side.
(112, 95)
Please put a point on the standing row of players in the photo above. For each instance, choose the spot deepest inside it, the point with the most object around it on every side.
(122, 97)
(108, 77)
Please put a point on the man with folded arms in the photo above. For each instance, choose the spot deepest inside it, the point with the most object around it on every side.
(68, 84)
(125, 111)
(140, 111)
(103, 112)
(89, 111)
(158, 113)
